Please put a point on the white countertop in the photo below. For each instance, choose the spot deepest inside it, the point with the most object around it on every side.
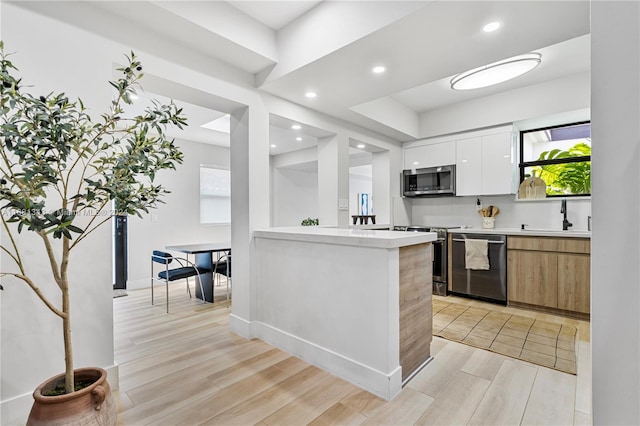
(381, 227)
(533, 232)
(341, 236)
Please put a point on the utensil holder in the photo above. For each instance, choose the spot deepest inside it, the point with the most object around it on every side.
(488, 222)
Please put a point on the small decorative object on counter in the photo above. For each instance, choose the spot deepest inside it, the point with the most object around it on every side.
(532, 187)
(489, 216)
(310, 222)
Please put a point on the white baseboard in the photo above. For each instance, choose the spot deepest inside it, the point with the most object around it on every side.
(138, 284)
(384, 385)
(241, 327)
(113, 376)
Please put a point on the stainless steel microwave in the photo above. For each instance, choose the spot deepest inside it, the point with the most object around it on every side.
(429, 182)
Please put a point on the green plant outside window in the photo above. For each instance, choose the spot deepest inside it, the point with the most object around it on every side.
(566, 170)
(566, 178)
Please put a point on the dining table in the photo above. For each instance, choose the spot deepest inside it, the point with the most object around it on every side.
(203, 253)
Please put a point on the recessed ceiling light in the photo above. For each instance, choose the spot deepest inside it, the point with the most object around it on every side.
(491, 26)
(415, 163)
(378, 70)
(298, 138)
(272, 145)
(360, 145)
(496, 72)
(311, 95)
(296, 127)
(133, 96)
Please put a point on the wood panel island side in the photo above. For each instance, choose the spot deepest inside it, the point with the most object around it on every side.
(354, 302)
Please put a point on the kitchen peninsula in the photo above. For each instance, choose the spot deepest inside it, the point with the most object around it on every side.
(354, 302)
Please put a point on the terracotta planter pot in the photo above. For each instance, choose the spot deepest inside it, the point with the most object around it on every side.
(93, 405)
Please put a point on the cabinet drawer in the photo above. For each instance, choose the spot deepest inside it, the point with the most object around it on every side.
(562, 245)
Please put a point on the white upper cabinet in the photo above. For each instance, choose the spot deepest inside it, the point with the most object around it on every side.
(497, 164)
(485, 165)
(432, 155)
(469, 166)
(484, 159)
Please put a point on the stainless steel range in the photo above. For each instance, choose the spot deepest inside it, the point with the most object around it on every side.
(440, 250)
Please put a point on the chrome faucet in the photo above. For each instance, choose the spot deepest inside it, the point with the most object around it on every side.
(563, 209)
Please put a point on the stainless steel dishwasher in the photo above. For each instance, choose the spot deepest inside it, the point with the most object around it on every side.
(490, 285)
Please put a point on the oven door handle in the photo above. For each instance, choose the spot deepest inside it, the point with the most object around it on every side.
(490, 242)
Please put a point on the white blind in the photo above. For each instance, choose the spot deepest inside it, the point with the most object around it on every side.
(215, 195)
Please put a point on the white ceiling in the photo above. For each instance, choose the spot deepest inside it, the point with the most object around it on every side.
(274, 14)
(290, 47)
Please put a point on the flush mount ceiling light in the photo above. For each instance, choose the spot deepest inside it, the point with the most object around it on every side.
(311, 95)
(298, 138)
(360, 145)
(272, 145)
(496, 72)
(296, 127)
(378, 70)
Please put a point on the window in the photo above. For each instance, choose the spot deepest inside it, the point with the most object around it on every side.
(560, 156)
(215, 195)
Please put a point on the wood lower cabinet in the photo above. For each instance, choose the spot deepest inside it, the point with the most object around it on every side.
(532, 278)
(550, 273)
(574, 282)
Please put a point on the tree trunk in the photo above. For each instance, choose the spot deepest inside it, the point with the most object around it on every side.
(66, 327)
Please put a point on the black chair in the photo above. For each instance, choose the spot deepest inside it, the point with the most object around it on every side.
(223, 267)
(186, 270)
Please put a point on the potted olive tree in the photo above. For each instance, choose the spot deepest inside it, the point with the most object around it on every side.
(61, 171)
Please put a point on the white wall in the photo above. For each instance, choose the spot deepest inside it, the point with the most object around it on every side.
(178, 220)
(383, 171)
(392, 113)
(294, 196)
(457, 211)
(80, 65)
(538, 100)
(615, 294)
(333, 180)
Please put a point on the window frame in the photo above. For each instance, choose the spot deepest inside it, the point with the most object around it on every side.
(522, 165)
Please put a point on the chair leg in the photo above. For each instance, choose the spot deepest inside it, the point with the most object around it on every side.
(228, 285)
(188, 288)
(167, 287)
(151, 282)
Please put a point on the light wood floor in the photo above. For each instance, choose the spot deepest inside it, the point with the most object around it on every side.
(188, 368)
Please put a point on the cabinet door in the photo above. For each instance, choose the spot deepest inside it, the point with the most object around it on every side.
(574, 282)
(532, 277)
(469, 166)
(497, 164)
(439, 154)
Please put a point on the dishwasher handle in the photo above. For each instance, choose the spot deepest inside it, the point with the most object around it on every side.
(490, 242)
